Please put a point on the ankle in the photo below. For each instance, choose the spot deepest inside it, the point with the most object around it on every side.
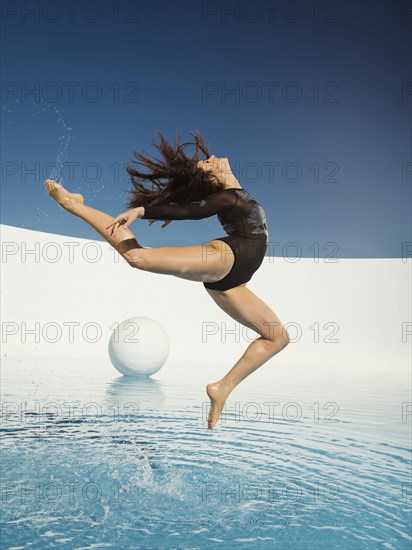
(227, 385)
(71, 204)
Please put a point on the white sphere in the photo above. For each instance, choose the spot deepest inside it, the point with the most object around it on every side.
(138, 346)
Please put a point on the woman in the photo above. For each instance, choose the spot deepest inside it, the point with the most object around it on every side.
(196, 189)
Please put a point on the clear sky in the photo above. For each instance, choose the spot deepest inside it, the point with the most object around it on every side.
(310, 101)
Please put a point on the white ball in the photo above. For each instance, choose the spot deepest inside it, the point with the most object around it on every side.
(138, 346)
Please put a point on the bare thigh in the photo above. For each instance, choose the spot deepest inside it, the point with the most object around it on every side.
(244, 306)
(207, 262)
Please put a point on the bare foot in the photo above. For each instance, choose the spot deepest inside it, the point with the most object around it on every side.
(217, 393)
(61, 196)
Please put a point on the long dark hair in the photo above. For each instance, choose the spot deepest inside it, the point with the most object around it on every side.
(175, 178)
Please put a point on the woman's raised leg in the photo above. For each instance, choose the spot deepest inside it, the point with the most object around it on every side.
(209, 262)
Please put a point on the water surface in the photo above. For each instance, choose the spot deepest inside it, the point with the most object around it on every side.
(300, 459)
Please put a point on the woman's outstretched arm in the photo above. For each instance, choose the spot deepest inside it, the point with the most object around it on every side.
(218, 202)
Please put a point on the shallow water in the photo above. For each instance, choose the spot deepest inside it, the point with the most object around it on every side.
(96, 460)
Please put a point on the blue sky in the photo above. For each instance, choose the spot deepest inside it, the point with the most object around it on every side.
(312, 108)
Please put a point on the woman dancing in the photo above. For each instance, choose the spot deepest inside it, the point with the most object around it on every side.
(193, 189)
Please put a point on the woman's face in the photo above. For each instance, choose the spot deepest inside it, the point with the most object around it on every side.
(219, 166)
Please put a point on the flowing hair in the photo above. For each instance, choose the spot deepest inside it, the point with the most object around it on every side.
(174, 178)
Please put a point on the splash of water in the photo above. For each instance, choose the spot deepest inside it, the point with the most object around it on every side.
(64, 141)
(45, 114)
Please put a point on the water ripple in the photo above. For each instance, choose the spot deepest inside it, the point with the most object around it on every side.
(142, 471)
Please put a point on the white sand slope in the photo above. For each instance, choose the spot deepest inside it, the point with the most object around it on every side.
(61, 296)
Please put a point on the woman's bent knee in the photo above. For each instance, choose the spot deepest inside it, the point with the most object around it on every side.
(136, 258)
(279, 341)
(131, 251)
(283, 338)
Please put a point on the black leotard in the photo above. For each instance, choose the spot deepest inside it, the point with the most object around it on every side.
(242, 218)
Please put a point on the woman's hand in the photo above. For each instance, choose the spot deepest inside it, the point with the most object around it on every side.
(125, 219)
(165, 223)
